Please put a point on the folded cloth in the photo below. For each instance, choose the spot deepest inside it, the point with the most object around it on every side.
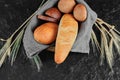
(81, 44)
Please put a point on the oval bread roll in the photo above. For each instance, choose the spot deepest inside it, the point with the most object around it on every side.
(67, 32)
(80, 12)
(46, 33)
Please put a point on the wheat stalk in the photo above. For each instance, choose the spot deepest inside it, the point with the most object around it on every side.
(11, 47)
(109, 37)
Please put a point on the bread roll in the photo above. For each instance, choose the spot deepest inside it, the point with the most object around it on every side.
(46, 33)
(66, 6)
(80, 12)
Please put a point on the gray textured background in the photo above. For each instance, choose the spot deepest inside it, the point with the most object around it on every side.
(76, 67)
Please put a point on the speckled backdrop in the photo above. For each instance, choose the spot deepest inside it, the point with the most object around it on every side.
(77, 66)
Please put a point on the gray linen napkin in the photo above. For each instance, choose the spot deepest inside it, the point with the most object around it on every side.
(81, 44)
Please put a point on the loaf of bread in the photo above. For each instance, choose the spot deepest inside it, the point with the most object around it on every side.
(67, 32)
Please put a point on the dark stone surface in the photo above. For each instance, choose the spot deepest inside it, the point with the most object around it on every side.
(77, 66)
